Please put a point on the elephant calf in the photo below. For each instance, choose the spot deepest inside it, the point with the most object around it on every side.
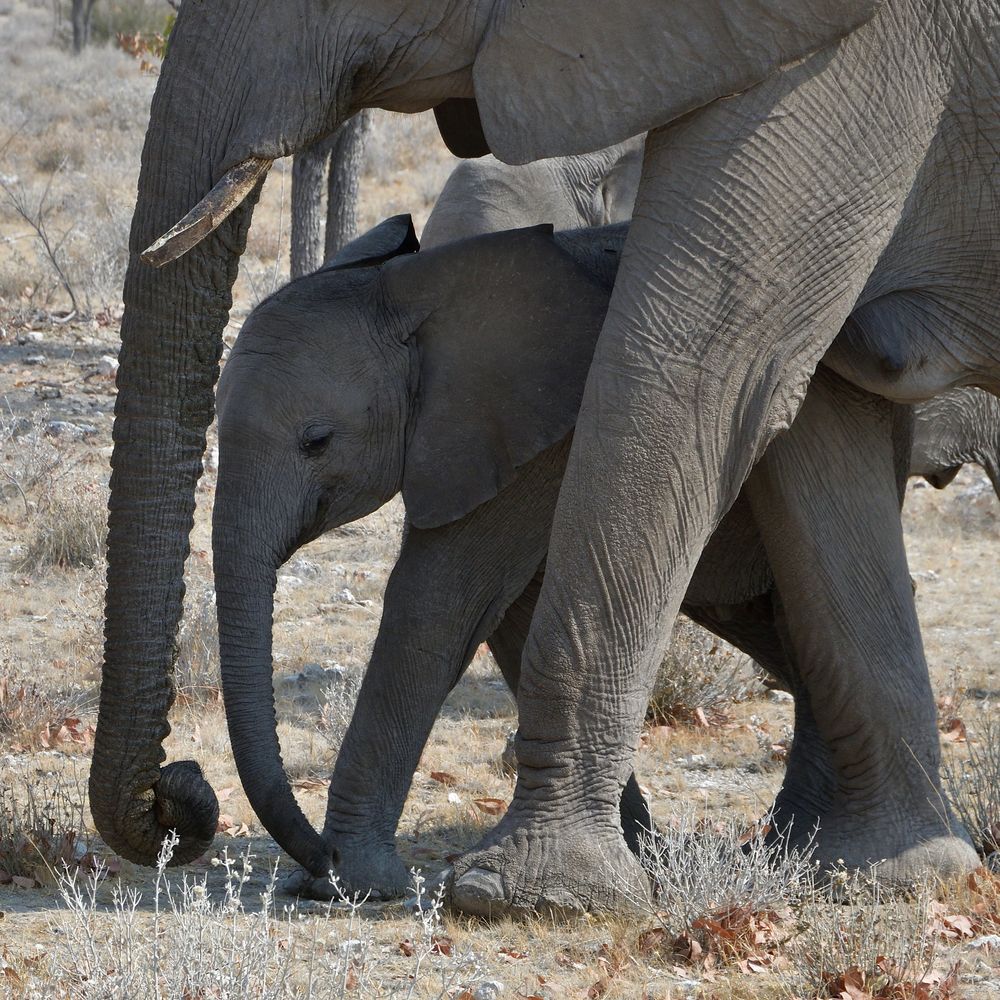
(454, 376)
(955, 428)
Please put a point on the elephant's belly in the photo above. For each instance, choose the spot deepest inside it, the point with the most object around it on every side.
(911, 346)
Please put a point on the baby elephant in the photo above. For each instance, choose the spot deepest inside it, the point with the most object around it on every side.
(955, 428)
(454, 375)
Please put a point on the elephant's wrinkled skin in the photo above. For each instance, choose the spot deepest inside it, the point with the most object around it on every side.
(349, 386)
(848, 173)
(953, 429)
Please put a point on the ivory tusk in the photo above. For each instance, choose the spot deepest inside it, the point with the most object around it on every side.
(208, 214)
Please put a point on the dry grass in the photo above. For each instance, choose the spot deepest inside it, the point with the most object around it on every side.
(700, 678)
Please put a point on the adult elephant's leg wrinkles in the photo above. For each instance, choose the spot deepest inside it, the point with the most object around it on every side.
(734, 281)
(826, 500)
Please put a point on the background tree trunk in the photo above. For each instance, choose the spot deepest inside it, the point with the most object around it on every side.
(334, 165)
(82, 11)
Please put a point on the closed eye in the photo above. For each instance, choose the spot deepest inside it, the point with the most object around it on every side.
(314, 441)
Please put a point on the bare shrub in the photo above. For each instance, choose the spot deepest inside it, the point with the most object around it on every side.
(31, 460)
(699, 871)
(69, 530)
(337, 707)
(32, 715)
(864, 936)
(229, 943)
(196, 671)
(700, 677)
(42, 831)
(973, 785)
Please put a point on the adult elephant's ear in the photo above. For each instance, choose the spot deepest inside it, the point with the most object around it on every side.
(570, 76)
(508, 331)
(461, 127)
(391, 238)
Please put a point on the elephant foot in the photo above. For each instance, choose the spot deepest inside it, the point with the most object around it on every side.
(901, 852)
(556, 871)
(362, 871)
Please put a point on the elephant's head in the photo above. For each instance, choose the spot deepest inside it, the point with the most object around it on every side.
(436, 375)
(244, 83)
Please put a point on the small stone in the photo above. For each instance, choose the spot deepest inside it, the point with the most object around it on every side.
(30, 337)
(64, 429)
(48, 392)
(305, 568)
(352, 946)
(107, 365)
(289, 580)
(488, 989)
(36, 359)
(346, 597)
(779, 697)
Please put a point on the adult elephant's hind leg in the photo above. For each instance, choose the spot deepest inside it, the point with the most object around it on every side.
(507, 646)
(825, 498)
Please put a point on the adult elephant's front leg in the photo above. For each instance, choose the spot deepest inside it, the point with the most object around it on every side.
(826, 500)
(733, 283)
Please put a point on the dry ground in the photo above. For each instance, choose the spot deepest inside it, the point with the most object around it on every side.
(70, 134)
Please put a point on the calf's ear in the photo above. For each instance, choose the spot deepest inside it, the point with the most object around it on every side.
(570, 76)
(391, 238)
(509, 325)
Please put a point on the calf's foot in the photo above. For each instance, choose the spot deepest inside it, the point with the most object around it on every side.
(375, 872)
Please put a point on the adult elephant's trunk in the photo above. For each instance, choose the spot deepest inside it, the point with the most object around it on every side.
(171, 343)
(245, 579)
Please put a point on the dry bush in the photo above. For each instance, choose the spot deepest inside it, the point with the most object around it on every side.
(973, 785)
(33, 715)
(196, 671)
(868, 938)
(42, 831)
(699, 678)
(129, 17)
(337, 706)
(69, 530)
(702, 872)
(30, 460)
(233, 945)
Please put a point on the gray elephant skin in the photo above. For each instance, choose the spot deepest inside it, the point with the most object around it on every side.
(956, 428)
(349, 386)
(810, 166)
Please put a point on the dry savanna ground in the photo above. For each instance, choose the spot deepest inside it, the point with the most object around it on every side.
(77, 922)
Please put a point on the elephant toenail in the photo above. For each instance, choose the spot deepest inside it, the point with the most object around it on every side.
(479, 892)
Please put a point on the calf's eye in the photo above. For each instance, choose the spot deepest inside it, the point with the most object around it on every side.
(314, 441)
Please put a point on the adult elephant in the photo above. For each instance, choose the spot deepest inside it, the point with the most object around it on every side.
(809, 161)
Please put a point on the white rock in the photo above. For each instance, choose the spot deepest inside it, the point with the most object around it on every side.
(346, 597)
(779, 697)
(488, 989)
(107, 365)
(290, 581)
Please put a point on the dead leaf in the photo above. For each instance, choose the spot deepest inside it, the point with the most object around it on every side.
(444, 778)
(954, 731)
(492, 807)
(441, 945)
(406, 948)
(510, 955)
